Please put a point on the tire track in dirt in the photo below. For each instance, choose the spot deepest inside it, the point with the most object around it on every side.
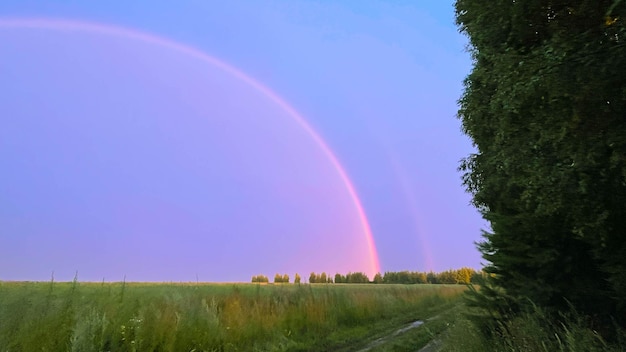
(433, 346)
(385, 339)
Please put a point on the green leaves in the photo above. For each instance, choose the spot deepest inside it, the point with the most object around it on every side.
(545, 106)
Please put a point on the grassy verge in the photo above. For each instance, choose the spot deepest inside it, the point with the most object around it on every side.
(529, 332)
(208, 317)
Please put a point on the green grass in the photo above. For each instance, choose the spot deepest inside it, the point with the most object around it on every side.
(532, 331)
(39, 316)
(435, 324)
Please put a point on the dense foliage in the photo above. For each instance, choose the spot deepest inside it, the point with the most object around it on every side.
(459, 276)
(260, 278)
(545, 105)
(284, 278)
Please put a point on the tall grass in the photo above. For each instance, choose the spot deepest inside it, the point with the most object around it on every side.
(203, 317)
(530, 331)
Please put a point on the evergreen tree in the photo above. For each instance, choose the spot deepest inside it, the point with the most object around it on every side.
(545, 106)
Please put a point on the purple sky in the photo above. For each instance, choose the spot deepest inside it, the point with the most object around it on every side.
(157, 141)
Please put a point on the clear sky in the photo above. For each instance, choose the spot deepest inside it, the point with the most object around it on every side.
(169, 141)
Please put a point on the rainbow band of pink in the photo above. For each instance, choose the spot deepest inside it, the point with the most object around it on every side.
(188, 50)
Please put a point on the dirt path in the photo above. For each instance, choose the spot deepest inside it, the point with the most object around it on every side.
(433, 346)
(385, 339)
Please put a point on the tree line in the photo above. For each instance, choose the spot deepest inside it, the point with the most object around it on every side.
(459, 276)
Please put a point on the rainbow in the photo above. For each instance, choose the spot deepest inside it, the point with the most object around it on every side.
(409, 195)
(73, 25)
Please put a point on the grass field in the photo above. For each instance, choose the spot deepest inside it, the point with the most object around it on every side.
(74, 316)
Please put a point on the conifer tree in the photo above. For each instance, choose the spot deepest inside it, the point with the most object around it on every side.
(545, 106)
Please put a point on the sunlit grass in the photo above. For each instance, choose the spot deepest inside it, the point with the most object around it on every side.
(78, 316)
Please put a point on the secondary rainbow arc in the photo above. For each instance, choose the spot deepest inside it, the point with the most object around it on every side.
(64, 24)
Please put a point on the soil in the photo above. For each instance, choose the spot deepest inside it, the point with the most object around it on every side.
(384, 339)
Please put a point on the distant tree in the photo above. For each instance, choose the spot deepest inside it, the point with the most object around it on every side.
(459, 276)
(296, 279)
(357, 278)
(390, 277)
(378, 278)
(323, 278)
(339, 279)
(260, 279)
(420, 278)
(404, 277)
(432, 278)
(447, 277)
(464, 275)
(312, 278)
